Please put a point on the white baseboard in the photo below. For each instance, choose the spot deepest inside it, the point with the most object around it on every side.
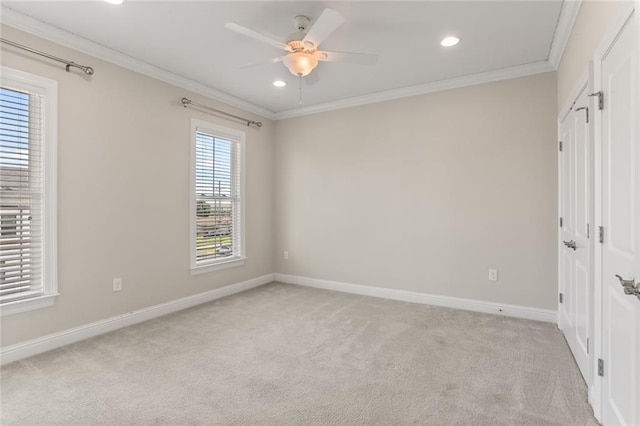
(516, 311)
(56, 340)
(72, 335)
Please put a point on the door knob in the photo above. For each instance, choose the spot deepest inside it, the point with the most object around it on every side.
(571, 244)
(629, 286)
(625, 283)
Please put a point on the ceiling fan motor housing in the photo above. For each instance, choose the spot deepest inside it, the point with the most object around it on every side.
(296, 46)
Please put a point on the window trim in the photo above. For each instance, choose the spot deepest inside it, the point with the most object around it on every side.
(239, 137)
(17, 79)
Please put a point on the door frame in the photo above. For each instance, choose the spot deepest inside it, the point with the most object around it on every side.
(584, 83)
(595, 392)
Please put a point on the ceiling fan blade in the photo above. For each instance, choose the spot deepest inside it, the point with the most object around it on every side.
(328, 21)
(349, 57)
(270, 61)
(255, 35)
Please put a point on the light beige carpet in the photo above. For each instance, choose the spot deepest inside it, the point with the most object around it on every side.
(288, 355)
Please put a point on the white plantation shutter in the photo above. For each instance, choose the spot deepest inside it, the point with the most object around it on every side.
(22, 190)
(217, 194)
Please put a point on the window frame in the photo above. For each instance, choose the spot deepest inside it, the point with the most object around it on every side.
(20, 80)
(238, 137)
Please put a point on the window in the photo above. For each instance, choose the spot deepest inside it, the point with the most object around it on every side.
(27, 191)
(217, 226)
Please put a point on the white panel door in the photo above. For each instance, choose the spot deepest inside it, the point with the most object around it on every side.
(621, 221)
(575, 247)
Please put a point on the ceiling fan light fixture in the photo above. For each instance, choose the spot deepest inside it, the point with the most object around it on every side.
(300, 63)
(450, 41)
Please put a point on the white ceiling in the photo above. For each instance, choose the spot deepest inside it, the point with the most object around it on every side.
(189, 39)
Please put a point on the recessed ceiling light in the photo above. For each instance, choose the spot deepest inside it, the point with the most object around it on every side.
(114, 1)
(279, 83)
(450, 41)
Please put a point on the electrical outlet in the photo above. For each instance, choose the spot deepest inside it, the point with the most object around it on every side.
(493, 275)
(285, 255)
(117, 284)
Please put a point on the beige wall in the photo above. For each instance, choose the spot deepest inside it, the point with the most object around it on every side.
(426, 193)
(123, 193)
(593, 22)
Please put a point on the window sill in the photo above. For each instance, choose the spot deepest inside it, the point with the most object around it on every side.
(231, 263)
(28, 304)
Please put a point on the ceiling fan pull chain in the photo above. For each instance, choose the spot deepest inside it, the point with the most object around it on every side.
(300, 91)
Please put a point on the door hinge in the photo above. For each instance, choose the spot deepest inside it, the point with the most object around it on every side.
(587, 230)
(560, 297)
(601, 234)
(600, 367)
(560, 222)
(587, 345)
(600, 96)
(560, 146)
(586, 110)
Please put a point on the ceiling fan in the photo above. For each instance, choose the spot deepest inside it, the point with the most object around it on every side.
(302, 46)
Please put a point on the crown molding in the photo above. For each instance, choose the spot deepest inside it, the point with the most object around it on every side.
(566, 20)
(422, 89)
(48, 32)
